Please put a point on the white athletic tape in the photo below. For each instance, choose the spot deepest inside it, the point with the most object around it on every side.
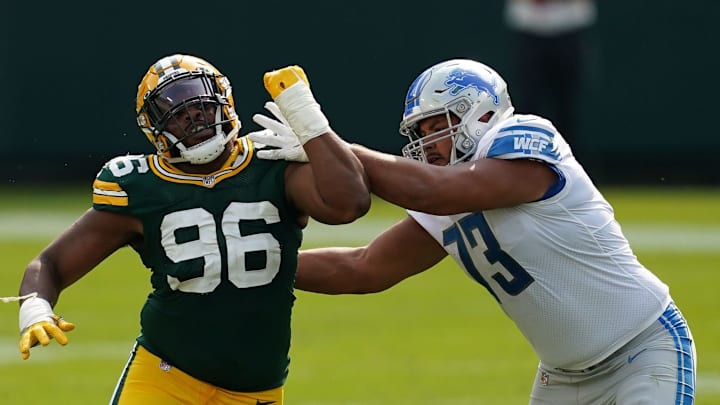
(7, 300)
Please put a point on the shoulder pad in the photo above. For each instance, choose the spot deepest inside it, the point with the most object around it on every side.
(111, 182)
(524, 137)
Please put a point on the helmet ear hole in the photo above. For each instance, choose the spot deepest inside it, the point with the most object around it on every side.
(486, 117)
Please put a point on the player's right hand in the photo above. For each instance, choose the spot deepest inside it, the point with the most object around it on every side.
(42, 331)
(38, 324)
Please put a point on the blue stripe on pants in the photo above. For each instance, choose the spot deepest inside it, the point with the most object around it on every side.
(674, 322)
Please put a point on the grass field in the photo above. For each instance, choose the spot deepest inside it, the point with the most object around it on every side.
(436, 339)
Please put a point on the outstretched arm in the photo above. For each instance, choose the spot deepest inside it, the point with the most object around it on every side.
(445, 190)
(92, 238)
(440, 190)
(333, 187)
(403, 250)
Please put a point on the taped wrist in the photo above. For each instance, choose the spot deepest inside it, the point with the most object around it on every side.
(34, 310)
(302, 112)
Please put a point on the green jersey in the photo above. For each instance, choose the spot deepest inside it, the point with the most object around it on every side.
(222, 249)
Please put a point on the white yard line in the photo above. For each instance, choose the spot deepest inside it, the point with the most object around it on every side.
(658, 237)
(23, 225)
(708, 382)
(9, 356)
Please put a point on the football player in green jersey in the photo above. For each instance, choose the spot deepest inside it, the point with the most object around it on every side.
(219, 228)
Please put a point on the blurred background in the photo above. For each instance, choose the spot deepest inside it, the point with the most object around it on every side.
(637, 80)
(70, 73)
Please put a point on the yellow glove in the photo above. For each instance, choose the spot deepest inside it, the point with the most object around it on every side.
(290, 89)
(38, 325)
(279, 80)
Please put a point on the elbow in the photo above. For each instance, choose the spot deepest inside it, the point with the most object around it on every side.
(358, 208)
(356, 201)
(349, 211)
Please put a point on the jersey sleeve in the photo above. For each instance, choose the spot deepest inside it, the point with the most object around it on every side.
(112, 185)
(525, 137)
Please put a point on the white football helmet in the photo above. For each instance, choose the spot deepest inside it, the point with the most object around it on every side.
(464, 88)
(173, 85)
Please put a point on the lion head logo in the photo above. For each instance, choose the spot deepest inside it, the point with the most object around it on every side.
(459, 80)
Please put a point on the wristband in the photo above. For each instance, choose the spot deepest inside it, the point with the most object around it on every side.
(34, 310)
(302, 112)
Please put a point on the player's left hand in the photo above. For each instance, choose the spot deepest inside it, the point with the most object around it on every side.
(290, 89)
(277, 134)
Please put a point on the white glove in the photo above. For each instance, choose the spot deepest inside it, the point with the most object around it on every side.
(290, 89)
(288, 148)
(277, 134)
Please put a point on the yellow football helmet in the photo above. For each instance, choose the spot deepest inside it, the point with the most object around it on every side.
(175, 85)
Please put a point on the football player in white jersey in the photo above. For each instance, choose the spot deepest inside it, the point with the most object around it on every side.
(502, 194)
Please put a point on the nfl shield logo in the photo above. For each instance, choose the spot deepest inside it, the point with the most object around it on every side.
(164, 366)
(544, 378)
(208, 180)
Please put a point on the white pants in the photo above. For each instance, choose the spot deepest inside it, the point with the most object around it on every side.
(657, 367)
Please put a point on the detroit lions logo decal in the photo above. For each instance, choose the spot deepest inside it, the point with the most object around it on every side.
(460, 80)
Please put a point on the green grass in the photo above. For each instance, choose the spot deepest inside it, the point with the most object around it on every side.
(437, 338)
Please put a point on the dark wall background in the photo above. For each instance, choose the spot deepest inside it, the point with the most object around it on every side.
(70, 73)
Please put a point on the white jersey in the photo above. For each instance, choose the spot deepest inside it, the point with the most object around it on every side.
(560, 267)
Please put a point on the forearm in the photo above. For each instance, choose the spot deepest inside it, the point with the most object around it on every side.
(36, 319)
(401, 181)
(330, 271)
(81, 247)
(339, 176)
(39, 277)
